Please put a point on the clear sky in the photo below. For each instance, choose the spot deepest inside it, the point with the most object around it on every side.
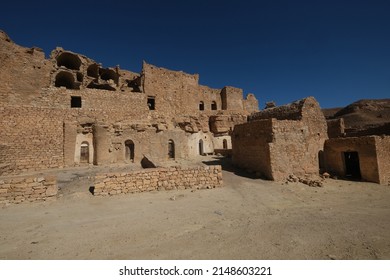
(280, 50)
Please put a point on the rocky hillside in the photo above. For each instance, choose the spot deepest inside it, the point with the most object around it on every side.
(366, 116)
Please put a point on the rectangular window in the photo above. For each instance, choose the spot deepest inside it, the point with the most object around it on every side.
(75, 102)
(151, 102)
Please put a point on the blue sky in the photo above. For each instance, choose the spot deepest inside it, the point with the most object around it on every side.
(336, 51)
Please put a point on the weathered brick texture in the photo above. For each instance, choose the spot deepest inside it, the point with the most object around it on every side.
(27, 189)
(158, 179)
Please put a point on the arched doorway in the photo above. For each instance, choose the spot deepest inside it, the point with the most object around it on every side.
(201, 106)
(224, 143)
(201, 147)
(129, 150)
(171, 149)
(84, 152)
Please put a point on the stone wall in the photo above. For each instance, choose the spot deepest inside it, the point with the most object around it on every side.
(203, 177)
(30, 139)
(373, 153)
(383, 153)
(280, 141)
(336, 128)
(251, 147)
(27, 189)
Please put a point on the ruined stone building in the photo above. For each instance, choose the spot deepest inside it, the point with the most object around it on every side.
(69, 110)
(359, 158)
(280, 141)
(295, 139)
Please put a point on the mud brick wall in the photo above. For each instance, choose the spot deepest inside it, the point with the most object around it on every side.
(158, 179)
(383, 153)
(251, 150)
(30, 139)
(336, 128)
(373, 152)
(27, 189)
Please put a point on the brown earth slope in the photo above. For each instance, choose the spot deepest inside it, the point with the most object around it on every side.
(366, 116)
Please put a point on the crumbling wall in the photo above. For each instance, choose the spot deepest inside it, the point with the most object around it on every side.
(336, 128)
(335, 148)
(27, 189)
(175, 92)
(204, 177)
(251, 149)
(251, 104)
(290, 144)
(222, 124)
(292, 111)
(24, 71)
(232, 99)
(32, 138)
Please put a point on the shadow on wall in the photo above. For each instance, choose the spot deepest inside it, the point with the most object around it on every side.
(228, 166)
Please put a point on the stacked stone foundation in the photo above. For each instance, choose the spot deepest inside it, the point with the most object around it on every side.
(205, 177)
(27, 189)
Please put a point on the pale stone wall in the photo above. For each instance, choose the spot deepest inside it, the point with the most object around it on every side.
(27, 189)
(203, 177)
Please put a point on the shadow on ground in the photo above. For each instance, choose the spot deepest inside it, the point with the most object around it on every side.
(228, 166)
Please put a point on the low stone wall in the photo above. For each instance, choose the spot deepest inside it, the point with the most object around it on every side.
(203, 177)
(17, 190)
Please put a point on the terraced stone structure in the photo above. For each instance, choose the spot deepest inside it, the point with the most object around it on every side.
(69, 110)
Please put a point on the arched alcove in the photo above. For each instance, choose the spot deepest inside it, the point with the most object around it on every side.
(65, 79)
(84, 152)
(171, 149)
(69, 60)
(129, 150)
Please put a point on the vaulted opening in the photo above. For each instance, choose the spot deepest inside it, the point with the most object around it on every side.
(129, 150)
(84, 152)
(69, 60)
(93, 70)
(224, 144)
(109, 74)
(65, 79)
(214, 106)
(201, 106)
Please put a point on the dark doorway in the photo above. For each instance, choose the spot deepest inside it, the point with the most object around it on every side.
(129, 150)
(84, 152)
(213, 106)
(201, 147)
(171, 149)
(352, 166)
(151, 102)
(225, 145)
(201, 106)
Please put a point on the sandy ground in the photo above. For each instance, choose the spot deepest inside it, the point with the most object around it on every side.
(246, 219)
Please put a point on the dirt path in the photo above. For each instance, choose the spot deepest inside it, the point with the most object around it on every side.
(246, 219)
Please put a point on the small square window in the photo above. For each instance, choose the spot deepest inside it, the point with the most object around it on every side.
(75, 101)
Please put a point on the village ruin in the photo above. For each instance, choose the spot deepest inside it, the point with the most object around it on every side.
(68, 110)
